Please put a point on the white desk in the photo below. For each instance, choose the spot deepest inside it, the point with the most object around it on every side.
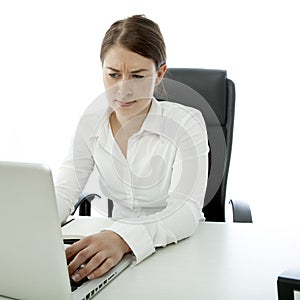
(220, 261)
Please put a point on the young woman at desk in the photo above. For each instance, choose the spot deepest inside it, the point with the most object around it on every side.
(152, 157)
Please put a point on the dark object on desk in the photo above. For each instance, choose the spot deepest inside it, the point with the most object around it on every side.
(190, 87)
(287, 283)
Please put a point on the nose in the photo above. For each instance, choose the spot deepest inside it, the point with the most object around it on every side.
(125, 89)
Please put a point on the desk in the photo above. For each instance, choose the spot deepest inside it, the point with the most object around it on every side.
(220, 261)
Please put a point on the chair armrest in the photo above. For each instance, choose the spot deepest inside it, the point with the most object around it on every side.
(241, 211)
(84, 204)
(287, 283)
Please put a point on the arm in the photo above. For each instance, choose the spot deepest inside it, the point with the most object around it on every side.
(72, 176)
(79, 164)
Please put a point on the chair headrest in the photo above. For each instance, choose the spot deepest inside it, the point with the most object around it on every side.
(194, 83)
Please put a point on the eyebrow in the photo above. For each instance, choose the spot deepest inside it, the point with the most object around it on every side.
(132, 72)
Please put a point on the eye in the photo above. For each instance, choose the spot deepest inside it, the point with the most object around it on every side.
(113, 75)
(136, 76)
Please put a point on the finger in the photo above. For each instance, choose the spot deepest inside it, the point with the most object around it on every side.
(72, 250)
(93, 264)
(81, 258)
(105, 267)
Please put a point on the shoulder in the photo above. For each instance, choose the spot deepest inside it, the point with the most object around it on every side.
(169, 107)
(92, 121)
(181, 113)
(94, 117)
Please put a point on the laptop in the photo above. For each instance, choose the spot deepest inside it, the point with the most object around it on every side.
(32, 253)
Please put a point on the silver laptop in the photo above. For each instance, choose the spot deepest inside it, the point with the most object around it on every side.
(32, 254)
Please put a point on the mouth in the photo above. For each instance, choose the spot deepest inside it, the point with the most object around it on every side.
(125, 104)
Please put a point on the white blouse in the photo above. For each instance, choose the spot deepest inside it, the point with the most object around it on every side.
(158, 190)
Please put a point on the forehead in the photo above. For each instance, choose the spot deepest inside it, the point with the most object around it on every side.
(120, 58)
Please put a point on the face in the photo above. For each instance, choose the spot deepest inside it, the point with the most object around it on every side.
(129, 80)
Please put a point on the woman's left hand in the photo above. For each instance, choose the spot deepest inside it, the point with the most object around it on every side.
(94, 255)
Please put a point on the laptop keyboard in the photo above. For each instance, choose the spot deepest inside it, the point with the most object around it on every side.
(76, 285)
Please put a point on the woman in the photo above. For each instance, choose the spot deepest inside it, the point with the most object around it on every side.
(152, 156)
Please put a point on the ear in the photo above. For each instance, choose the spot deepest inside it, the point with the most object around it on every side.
(160, 74)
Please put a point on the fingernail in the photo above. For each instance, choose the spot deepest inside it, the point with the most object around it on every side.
(75, 277)
(90, 277)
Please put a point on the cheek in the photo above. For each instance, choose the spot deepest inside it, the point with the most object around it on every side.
(144, 89)
(111, 92)
(110, 87)
(107, 81)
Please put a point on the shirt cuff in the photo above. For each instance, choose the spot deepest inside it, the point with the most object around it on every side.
(137, 238)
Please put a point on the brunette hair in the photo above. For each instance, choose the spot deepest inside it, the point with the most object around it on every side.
(137, 34)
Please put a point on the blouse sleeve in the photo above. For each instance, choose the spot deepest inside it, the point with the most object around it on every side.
(185, 199)
(79, 163)
(73, 173)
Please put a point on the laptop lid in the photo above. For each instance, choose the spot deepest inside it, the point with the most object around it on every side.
(32, 258)
(32, 253)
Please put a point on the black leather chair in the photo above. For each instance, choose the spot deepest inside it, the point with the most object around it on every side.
(213, 94)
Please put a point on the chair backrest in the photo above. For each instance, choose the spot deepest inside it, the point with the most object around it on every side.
(213, 94)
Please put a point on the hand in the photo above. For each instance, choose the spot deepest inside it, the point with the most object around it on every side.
(97, 253)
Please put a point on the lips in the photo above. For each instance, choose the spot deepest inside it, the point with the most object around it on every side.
(125, 104)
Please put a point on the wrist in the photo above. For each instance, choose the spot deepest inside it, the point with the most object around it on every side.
(125, 247)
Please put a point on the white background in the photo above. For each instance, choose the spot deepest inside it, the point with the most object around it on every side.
(50, 71)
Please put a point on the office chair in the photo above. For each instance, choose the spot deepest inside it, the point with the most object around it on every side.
(213, 94)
